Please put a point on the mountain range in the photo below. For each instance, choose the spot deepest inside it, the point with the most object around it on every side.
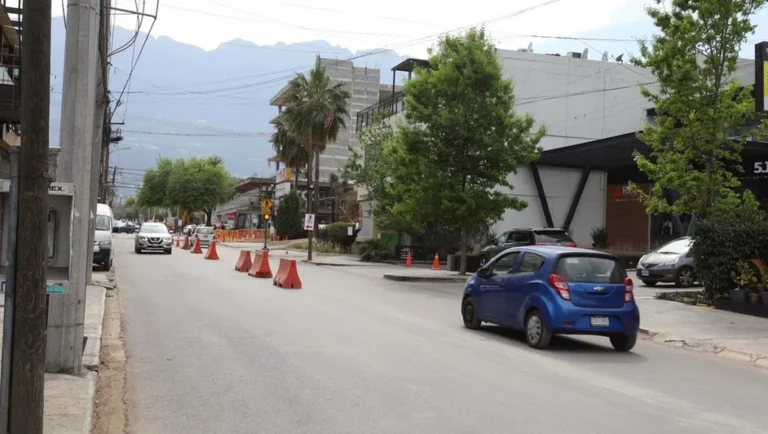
(184, 101)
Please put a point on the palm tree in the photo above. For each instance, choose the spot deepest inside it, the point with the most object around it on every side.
(316, 112)
(288, 149)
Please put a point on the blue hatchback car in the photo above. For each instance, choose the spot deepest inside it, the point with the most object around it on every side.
(548, 290)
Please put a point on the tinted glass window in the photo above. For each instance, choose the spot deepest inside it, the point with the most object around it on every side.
(521, 237)
(501, 239)
(590, 269)
(530, 263)
(202, 230)
(154, 229)
(552, 237)
(678, 247)
(506, 263)
(102, 223)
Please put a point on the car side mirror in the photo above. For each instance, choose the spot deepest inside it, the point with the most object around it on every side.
(484, 272)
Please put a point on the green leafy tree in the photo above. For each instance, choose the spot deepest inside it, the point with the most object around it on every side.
(199, 184)
(154, 186)
(316, 112)
(289, 219)
(379, 167)
(289, 149)
(461, 139)
(699, 105)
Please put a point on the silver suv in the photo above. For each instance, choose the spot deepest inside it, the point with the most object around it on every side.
(153, 237)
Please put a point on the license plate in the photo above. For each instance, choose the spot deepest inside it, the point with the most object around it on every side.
(644, 272)
(599, 321)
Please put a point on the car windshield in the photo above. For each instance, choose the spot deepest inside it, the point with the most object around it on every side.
(154, 229)
(102, 223)
(590, 269)
(552, 237)
(204, 231)
(677, 247)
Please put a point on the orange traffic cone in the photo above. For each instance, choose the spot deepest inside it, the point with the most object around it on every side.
(177, 242)
(198, 248)
(211, 252)
(186, 243)
(408, 259)
(436, 262)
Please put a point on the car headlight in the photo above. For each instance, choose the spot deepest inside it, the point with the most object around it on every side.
(142, 238)
(105, 244)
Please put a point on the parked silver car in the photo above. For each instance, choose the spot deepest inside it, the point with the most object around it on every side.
(670, 263)
(153, 237)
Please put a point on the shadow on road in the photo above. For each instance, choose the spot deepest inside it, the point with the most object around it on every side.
(566, 346)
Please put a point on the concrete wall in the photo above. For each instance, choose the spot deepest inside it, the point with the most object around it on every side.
(559, 186)
(363, 84)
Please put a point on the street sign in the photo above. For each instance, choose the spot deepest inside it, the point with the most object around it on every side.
(309, 222)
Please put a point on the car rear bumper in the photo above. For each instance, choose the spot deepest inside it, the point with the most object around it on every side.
(576, 320)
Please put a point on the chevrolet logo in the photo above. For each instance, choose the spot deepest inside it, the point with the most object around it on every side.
(599, 288)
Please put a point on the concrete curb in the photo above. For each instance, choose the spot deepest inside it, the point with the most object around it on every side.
(754, 359)
(93, 329)
(444, 279)
(93, 378)
(330, 264)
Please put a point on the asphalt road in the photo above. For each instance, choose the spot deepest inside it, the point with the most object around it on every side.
(215, 351)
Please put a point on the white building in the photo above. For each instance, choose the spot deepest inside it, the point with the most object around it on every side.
(592, 110)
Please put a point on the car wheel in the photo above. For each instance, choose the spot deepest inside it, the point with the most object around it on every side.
(137, 250)
(649, 282)
(469, 314)
(624, 342)
(168, 251)
(536, 332)
(106, 266)
(685, 277)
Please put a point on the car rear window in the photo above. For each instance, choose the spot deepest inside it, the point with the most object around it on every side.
(204, 231)
(590, 269)
(552, 237)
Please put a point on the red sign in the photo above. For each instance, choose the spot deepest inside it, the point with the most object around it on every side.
(360, 216)
(231, 216)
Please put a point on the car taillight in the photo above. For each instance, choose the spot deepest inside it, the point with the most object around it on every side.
(572, 245)
(561, 286)
(628, 290)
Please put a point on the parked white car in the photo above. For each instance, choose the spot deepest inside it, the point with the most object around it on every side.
(204, 233)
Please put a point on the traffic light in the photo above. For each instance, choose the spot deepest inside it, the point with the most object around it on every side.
(266, 217)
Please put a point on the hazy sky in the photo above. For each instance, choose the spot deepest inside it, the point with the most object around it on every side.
(398, 24)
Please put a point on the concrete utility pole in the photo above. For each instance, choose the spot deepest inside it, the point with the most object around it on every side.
(100, 120)
(25, 404)
(67, 311)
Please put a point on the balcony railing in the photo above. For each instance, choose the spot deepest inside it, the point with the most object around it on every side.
(385, 108)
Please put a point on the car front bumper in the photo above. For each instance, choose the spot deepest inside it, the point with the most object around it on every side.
(664, 274)
(154, 246)
(102, 256)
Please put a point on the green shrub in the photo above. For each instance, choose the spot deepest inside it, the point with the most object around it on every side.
(289, 219)
(375, 251)
(599, 238)
(723, 241)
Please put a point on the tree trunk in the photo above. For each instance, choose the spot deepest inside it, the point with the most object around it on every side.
(296, 178)
(316, 194)
(464, 242)
(309, 208)
(30, 300)
(207, 217)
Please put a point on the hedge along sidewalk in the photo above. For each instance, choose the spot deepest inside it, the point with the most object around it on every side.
(730, 335)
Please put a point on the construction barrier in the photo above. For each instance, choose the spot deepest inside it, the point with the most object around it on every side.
(177, 242)
(287, 276)
(211, 252)
(244, 263)
(244, 236)
(198, 249)
(261, 268)
(186, 243)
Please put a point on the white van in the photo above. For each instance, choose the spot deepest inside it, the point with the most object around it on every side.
(102, 241)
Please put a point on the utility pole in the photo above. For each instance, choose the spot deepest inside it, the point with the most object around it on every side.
(67, 311)
(101, 119)
(27, 375)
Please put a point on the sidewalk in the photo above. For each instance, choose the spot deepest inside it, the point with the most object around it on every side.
(415, 274)
(730, 335)
(69, 398)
